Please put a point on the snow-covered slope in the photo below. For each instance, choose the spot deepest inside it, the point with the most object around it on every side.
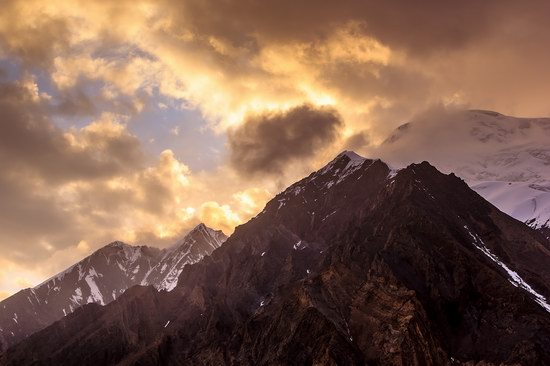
(101, 278)
(520, 200)
(200, 242)
(104, 275)
(505, 159)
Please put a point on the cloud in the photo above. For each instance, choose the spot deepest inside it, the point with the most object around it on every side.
(308, 19)
(356, 142)
(43, 164)
(13, 276)
(65, 193)
(480, 138)
(75, 103)
(265, 143)
(31, 143)
(219, 216)
(237, 58)
(35, 41)
(28, 216)
(175, 131)
(408, 66)
(261, 71)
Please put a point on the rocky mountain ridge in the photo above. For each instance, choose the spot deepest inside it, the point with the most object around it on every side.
(100, 278)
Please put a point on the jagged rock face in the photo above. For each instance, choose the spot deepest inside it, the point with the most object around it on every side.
(101, 278)
(200, 242)
(355, 264)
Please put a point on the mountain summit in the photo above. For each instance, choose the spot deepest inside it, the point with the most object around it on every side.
(355, 264)
(197, 244)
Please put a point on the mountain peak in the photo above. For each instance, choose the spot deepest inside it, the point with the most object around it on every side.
(194, 246)
(424, 165)
(350, 158)
(200, 228)
(352, 155)
(342, 165)
(116, 244)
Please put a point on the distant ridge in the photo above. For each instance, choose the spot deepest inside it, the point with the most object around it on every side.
(100, 278)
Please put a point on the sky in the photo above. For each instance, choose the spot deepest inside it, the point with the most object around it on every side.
(136, 120)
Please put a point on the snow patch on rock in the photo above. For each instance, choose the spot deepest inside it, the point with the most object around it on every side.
(514, 278)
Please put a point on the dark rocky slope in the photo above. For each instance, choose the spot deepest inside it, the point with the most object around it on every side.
(353, 265)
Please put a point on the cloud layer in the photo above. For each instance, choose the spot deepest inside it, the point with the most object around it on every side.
(267, 143)
(288, 83)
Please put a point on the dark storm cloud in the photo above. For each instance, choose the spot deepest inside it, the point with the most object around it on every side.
(492, 53)
(478, 48)
(417, 26)
(359, 81)
(266, 142)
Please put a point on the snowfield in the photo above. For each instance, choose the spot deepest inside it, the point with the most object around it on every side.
(504, 159)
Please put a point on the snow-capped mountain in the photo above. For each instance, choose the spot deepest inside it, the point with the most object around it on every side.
(505, 159)
(355, 264)
(200, 242)
(101, 278)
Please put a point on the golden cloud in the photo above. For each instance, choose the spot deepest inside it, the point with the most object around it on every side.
(65, 192)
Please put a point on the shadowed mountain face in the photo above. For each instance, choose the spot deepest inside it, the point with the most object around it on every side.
(355, 264)
(101, 278)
